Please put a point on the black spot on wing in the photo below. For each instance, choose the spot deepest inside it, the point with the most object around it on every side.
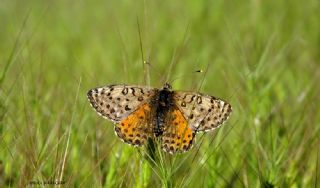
(127, 108)
(199, 99)
(125, 91)
(133, 91)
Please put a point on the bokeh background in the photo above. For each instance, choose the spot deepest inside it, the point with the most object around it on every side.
(260, 56)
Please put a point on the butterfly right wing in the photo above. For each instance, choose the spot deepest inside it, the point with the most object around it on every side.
(203, 112)
(177, 134)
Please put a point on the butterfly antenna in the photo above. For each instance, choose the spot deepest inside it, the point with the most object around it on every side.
(177, 54)
(124, 52)
(147, 63)
(184, 75)
(204, 76)
(146, 71)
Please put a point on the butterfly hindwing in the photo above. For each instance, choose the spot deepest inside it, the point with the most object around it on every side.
(116, 102)
(177, 135)
(203, 112)
(137, 127)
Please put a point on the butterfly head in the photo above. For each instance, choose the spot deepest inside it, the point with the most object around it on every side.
(167, 86)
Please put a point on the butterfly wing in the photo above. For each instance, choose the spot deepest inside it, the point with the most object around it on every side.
(116, 102)
(177, 135)
(128, 107)
(138, 126)
(202, 112)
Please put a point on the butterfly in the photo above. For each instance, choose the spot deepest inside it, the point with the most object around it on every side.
(173, 117)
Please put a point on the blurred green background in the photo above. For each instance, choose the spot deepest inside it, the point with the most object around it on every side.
(261, 56)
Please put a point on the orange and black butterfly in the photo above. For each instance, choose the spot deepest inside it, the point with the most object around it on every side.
(174, 117)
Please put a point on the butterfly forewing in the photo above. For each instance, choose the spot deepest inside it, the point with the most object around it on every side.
(116, 102)
(203, 112)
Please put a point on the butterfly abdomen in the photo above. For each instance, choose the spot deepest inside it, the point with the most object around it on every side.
(164, 102)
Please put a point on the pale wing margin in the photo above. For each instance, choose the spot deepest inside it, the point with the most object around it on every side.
(203, 112)
(116, 102)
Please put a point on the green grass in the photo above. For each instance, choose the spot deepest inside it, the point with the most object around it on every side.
(262, 57)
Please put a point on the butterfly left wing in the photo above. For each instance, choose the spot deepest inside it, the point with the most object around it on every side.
(138, 126)
(202, 112)
(128, 107)
(116, 102)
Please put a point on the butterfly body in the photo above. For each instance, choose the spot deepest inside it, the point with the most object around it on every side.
(163, 102)
(175, 117)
